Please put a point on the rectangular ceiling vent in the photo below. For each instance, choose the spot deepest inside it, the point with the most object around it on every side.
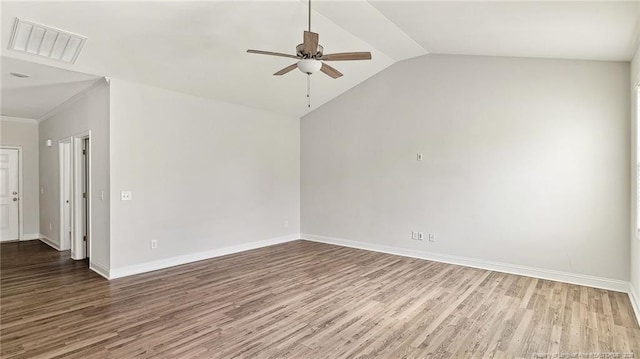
(46, 41)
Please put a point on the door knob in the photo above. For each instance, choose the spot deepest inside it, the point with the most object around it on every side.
(14, 199)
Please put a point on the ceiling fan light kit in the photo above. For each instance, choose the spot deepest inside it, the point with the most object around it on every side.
(311, 57)
(309, 66)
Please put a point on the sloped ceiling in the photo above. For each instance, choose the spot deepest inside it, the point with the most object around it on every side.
(45, 89)
(199, 47)
(586, 30)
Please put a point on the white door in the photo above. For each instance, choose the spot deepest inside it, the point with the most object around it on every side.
(9, 200)
(65, 195)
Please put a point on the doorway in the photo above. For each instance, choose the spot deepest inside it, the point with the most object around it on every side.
(75, 199)
(81, 239)
(83, 190)
(10, 194)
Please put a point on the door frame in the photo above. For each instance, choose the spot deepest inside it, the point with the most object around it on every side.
(77, 245)
(61, 228)
(20, 197)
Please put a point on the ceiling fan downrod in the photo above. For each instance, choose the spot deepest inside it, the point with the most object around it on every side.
(309, 75)
(309, 15)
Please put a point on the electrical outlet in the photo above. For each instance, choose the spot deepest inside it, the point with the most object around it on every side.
(125, 195)
(154, 243)
(286, 224)
(432, 237)
(50, 226)
(414, 235)
(420, 236)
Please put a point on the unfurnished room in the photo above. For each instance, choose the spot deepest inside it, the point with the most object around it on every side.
(319, 179)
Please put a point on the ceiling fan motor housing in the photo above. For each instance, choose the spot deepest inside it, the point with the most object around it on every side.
(300, 52)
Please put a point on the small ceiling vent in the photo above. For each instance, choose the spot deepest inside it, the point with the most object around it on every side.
(46, 41)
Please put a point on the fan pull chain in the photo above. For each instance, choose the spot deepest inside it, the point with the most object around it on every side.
(309, 90)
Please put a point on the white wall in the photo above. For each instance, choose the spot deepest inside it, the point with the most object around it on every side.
(25, 133)
(526, 162)
(204, 175)
(88, 111)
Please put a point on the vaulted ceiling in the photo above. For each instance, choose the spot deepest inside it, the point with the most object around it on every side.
(199, 47)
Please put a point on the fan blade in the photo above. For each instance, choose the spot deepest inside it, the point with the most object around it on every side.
(346, 56)
(272, 53)
(310, 44)
(330, 71)
(286, 69)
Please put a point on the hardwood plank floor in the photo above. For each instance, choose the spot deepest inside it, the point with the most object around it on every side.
(300, 300)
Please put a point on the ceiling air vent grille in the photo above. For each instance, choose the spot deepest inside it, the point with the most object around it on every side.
(46, 41)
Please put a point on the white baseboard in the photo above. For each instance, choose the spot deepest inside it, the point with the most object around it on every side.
(635, 301)
(194, 257)
(46, 240)
(30, 236)
(99, 268)
(565, 277)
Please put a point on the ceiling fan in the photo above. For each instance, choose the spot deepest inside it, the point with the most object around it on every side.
(311, 57)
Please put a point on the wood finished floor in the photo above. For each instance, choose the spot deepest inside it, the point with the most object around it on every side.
(299, 300)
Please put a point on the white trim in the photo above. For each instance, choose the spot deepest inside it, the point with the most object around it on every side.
(20, 192)
(635, 302)
(194, 257)
(54, 111)
(46, 240)
(635, 185)
(565, 277)
(61, 224)
(99, 268)
(30, 237)
(19, 119)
